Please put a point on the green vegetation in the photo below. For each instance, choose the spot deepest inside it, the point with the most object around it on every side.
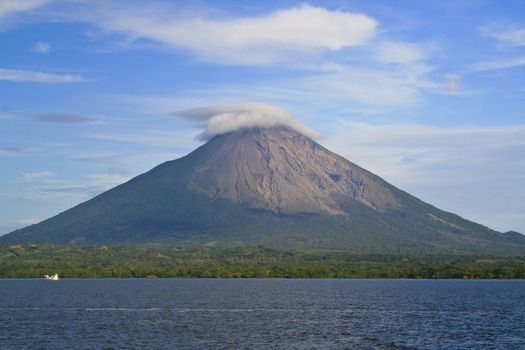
(35, 260)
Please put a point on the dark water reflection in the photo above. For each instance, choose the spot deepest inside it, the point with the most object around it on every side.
(262, 314)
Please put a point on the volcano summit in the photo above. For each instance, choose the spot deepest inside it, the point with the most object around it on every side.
(266, 183)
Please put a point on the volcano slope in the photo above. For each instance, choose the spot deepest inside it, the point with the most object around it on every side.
(273, 187)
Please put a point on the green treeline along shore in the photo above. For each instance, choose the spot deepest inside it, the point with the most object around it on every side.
(35, 260)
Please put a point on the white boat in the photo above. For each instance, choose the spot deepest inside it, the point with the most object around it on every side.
(52, 277)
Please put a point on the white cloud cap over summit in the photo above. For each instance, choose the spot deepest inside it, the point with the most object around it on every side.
(223, 119)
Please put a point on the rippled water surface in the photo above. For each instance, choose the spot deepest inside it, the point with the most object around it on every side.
(261, 314)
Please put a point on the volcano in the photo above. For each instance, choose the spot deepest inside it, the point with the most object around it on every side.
(270, 186)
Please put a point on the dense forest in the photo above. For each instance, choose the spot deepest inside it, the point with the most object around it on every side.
(35, 260)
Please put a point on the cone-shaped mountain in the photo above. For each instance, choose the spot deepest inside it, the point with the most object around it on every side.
(269, 186)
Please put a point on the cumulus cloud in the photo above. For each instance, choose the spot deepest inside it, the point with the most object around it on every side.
(41, 47)
(282, 35)
(19, 75)
(451, 82)
(223, 119)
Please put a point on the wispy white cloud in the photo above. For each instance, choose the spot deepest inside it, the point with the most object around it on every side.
(12, 7)
(342, 88)
(477, 172)
(500, 63)
(363, 88)
(510, 39)
(107, 181)
(37, 175)
(44, 149)
(7, 151)
(155, 138)
(113, 169)
(11, 11)
(505, 34)
(28, 221)
(41, 47)
(64, 118)
(53, 195)
(54, 117)
(296, 37)
(399, 52)
(8, 226)
(81, 188)
(19, 75)
(396, 147)
(282, 35)
(131, 163)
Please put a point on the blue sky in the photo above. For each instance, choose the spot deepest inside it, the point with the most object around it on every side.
(428, 95)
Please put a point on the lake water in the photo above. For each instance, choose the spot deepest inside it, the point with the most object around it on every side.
(261, 314)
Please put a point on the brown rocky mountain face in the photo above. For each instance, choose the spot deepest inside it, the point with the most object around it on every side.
(283, 171)
(273, 187)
